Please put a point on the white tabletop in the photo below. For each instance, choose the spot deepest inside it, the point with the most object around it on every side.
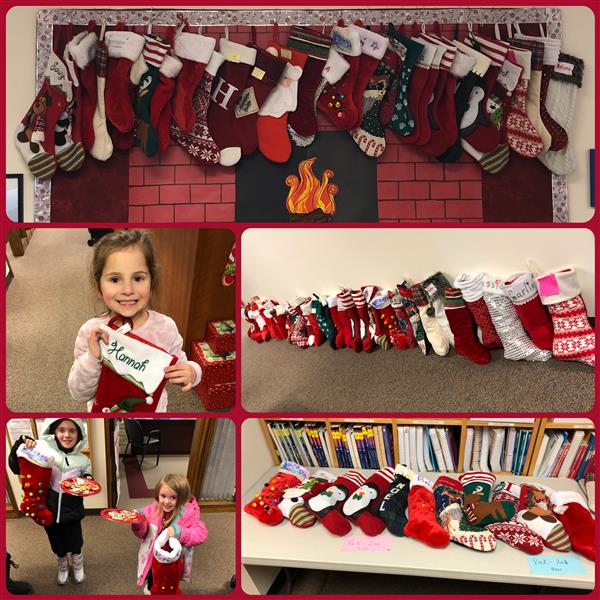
(315, 548)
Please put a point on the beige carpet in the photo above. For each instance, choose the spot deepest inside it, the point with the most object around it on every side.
(110, 552)
(278, 376)
(47, 302)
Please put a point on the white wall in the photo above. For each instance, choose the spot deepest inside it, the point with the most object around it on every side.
(285, 263)
(578, 22)
(256, 456)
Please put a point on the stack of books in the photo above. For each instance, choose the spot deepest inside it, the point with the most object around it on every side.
(496, 449)
(363, 446)
(303, 443)
(566, 453)
(425, 448)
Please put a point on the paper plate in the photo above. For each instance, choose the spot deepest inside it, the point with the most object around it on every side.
(80, 486)
(122, 515)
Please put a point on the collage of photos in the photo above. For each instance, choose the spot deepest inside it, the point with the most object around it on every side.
(348, 253)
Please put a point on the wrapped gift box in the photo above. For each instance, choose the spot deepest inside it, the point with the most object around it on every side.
(220, 336)
(216, 396)
(216, 368)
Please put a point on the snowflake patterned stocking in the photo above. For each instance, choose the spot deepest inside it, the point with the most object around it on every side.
(326, 505)
(199, 142)
(512, 532)
(574, 338)
(361, 507)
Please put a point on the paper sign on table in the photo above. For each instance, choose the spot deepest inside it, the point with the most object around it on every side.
(364, 543)
(556, 565)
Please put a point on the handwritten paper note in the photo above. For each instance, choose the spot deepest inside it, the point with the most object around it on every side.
(364, 543)
(556, 565)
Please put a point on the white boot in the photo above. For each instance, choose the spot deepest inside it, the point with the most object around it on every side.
(63, 570)
(77, 564)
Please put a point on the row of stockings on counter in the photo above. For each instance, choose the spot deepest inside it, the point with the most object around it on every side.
(531, 318)
(485, 96)
(473, 510)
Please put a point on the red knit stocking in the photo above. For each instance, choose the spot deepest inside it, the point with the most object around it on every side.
(36, 472)
(347, 312)
(363, 313)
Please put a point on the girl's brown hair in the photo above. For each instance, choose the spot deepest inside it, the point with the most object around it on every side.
(119, 240)
(181, 486)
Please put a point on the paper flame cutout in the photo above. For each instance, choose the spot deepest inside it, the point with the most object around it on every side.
(308, 194)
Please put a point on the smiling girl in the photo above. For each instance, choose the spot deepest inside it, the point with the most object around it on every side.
(176, 511)
(124, 276)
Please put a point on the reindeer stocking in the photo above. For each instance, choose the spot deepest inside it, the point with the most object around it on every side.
(477, 505)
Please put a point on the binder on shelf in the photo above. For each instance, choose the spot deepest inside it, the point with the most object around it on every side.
(485, 450)
(468, 449)
(437, 449)
(497, 435)
(476, 449)
(576, 439)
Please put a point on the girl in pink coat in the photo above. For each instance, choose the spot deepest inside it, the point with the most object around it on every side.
(176, 510)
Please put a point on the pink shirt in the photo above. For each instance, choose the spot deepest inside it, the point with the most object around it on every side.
(85, 372)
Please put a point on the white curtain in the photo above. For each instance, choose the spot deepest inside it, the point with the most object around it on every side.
(219, 478)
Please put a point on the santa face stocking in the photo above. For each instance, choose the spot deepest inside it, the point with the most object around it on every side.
(565, 80)
(263, 78)
(199, 142)
(463, 330)
(273, 138)
(477, 506)
(574, 338)
(35, 474)
(361, 507)
(124, 48)
(194, 52)
(370, 135)
(264, 505)
(229, 83)
(326, 504)
(409, 53)
(535, 514)
(521, 134)
(160, 110)
(471, 287)
(523, 294)
(154, 53)
(337, 101)
(517, 346)
(512, 532)
(435, 334)
(292, 504)
(422, 523)
(454, 521)
(393, 506)
(302, 123)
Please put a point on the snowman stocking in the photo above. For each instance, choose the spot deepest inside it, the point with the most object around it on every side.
(132, 372)
(325, 506)
(35, 473)
(292, 505)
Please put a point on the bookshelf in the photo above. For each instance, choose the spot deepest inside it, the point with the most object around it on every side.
(526, 439)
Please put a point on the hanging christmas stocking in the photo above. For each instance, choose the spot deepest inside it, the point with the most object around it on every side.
(523, 294)
(572, 511)
(574, 338)
(477, 487)
(565, 80)
(361, 507)
(435, 334)
(302, 123)
(471, 287)
(512, 532)
(35, 466)
(517, 346)
(422, 524)
(263, 78)
(133, 371)
(166, 565)
(521, 134)
(36, 131)
(124, 48)
(326, 504)
(194, 52)
(160, 109)
(154, 53)
(336, 101)
(292, 505)
(199, 142)
(463, 330)
(264, 505)
(273, 138)
(409, 53)
(393, 506)
(534, 513)
(229, 83)
(370, 135)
